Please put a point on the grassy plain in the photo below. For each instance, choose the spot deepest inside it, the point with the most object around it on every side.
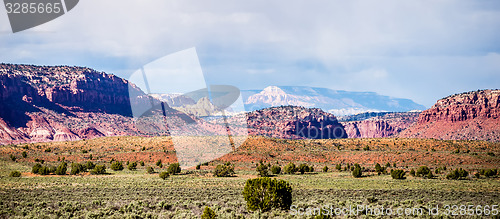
(136, 194)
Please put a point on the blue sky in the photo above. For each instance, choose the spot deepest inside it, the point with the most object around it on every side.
(421, 50)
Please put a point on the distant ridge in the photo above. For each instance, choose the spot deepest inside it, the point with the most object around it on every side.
(338, 102)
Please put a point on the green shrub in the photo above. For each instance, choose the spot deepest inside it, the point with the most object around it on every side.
(379, 169)
(48, 150)
(150, 170)
(62, 168)
(174, 168)
(338, 167)
(412, 172)
(457, 174)
(132, 166)
(208, 213)
(36, 168)
(491, 154)
(89, 165)
(423, 171)
(398, 174)
(24, 154)
(164, 175)
(290, 168)
(224, 170)
(366, 148)
(158, 163)
(117, 166)
(198, 166)
(325, 169)
(15, 173)
(357, 172)
(76, 168)
(13, 158)
(488, 172)
(265, 193)
(304, 168)
(262, 170)
(388, 164)
(99, 169)
(141, 163)
(276, 170)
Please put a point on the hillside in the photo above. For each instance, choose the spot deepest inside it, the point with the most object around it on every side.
(472, 115)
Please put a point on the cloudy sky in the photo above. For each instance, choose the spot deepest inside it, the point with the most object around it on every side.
(421, 50)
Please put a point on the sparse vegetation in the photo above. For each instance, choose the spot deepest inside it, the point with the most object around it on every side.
(325, 169)
(150, 170)
(423, 171)
(357, 172)
(290, 168)
(132, 166)
(398, 174)
(15, 173)
(457, 174)
(265, 193)
(117, 166)
(208, 213)
(99, 169)
(164, 175)
(262, 170)
(174, 168)
(224, 170)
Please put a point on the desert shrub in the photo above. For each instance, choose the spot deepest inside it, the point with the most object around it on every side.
(141, 163)
(24, 154)
(423, 171)
(325, 169)
(491, 154)
(36, 168)
(366, 148)
(394, 165)
(304, 168)
(15, 173)
(224, 170)
(412, 172)
(276, 170)
(338, 167)
(132, 166)
(150, 170)
(357, 172)
(379, 169)
(488, 172)
(208, 213)
(265, 193)
(84, 151)
(44, 170)
(117, 166)
(457, 174)
(62, 168)
(13, 158)
(76, 168)
(174, 168)
(388, 164)
(398, 174)
(198, 166)
(164, 175)
(290, 168)
(158, 163)
(262, 169)
(89, 165)
(99, 169)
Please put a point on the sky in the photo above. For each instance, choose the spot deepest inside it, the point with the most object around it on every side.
(421, 50)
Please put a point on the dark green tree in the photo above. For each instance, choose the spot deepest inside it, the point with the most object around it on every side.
(265, 193)
(174, 168)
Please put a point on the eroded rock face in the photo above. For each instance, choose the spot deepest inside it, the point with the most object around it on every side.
(472, 115)
(386, 125)
(293, 122)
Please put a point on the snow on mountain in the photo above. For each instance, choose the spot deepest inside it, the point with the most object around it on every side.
(338, 102)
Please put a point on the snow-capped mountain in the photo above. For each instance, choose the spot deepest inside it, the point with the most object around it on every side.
(337, 102)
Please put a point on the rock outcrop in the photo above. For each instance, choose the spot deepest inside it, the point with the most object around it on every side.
(293, 122)
(472, 116)
(379, 126)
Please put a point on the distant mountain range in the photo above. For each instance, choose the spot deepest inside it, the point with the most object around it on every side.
(337, 102)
